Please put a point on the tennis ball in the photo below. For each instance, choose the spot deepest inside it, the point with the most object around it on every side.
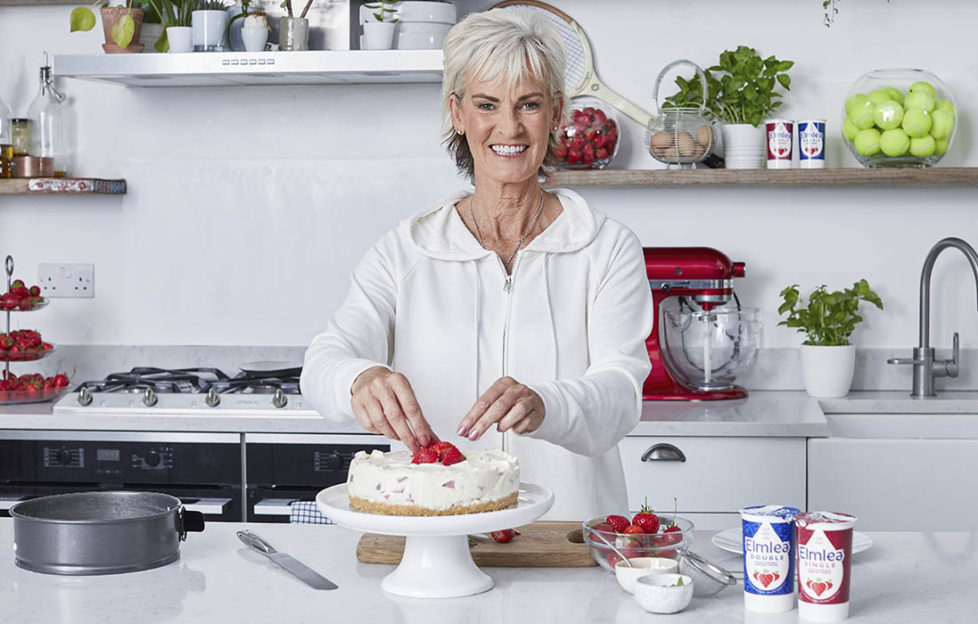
(943, 124)
(895, 94)
(919, 99)
(916, 123)
(888, 115)
(944, 105)
(867, 142)
(878, 96)
(894, 142)
(849, 129)
(855, 100)
(924, 87)
(940, 146)
(924, 146)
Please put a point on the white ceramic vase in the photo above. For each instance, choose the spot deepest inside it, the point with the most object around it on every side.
(743, 146)
(180, 38)
(254, 38)
(208, 30)
(293, 33)
(378, 35)
(148, 35)
(827, 371)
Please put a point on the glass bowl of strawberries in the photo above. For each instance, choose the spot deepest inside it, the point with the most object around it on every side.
(643, 534)
(589, 140)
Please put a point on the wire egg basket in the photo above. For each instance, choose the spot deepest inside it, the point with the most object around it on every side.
(680, 136)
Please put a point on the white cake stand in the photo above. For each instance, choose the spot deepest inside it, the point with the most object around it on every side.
(436, 562)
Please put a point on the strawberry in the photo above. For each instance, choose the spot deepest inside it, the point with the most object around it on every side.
(60, 380)
(441, 447)
(618, 523)
(646, 519)
(506, 535)
(604, 527)
(451, 456)
(634, 529)
(10, 301)
(17, 283)
(425, 455)
(35, 291)
(573, 156)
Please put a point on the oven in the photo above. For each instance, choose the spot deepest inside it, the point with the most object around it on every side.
(284, 468)
(204, 470)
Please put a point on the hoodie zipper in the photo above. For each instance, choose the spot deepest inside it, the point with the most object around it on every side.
(508, 290)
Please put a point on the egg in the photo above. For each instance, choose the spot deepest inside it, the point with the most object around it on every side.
(687, 147)
(661, 140)
(704, 136)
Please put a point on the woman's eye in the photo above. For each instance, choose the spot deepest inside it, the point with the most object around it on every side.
(485, 106)
(531, 105)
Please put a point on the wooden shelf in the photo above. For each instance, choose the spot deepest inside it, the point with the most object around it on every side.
(63, 186)
(935, 176)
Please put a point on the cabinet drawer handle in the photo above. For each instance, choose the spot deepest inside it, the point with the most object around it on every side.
(663, 452)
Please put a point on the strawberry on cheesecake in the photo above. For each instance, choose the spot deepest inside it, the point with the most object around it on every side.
(437, 480)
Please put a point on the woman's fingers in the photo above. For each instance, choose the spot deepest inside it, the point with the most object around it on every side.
(509, 405)
(466, 428)
(412, 410)
(384, 403)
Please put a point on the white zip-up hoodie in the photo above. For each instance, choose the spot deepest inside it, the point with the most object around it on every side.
(429, 302)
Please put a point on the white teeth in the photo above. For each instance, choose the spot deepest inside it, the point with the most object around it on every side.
(508, 150)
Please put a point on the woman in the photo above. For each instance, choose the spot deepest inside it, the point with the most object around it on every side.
(508, 309)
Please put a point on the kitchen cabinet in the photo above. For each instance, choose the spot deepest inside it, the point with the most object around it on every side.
(716, 477)
(896, 484)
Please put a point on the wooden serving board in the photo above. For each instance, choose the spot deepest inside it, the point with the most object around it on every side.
(539, 545)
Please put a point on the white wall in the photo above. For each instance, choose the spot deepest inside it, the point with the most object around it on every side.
(248, 207)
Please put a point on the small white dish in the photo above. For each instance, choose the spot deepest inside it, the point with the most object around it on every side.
(642, 566)
(663, 593)
(731, 540)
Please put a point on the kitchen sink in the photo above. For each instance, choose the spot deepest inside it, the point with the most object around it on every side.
(904, 426)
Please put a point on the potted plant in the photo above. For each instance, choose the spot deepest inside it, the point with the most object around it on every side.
(120, 24)
(177, 31)
(378, 33)
(741, 93)
(827, 357)
(208, 21)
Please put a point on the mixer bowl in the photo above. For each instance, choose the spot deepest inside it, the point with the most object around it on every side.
(707, 349)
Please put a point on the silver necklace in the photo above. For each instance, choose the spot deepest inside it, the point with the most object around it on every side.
(509, 261)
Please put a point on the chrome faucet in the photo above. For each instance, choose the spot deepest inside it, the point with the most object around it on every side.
(925, 367)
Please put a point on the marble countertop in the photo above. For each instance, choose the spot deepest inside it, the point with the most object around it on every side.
(765, 413)
(903, 578)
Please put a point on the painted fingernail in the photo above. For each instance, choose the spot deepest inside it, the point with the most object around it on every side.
(474, 434)
(461, 431)
(424, 440)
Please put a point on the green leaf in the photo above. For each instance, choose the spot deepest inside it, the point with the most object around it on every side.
(163, 43)
(82, 18)
(784, 80)
(122, 30)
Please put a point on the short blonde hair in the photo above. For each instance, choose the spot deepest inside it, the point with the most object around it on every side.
(514, 43)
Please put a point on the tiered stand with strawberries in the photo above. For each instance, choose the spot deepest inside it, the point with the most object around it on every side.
(24, 345)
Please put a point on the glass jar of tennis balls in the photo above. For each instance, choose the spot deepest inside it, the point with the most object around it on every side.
(899, 118)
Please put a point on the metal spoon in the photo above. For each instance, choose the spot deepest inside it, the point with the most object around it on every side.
(612, 547)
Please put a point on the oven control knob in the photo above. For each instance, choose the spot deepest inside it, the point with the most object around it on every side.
(149, 397)
(213, 399)
(64, 457)
(334, 461)
(152, 459)
(84, 396)
(279, 399)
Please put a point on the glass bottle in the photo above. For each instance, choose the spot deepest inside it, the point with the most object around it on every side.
(47, 114)
(6, 142)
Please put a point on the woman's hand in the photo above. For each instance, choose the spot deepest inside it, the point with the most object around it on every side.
(507, 403)
(384, 403)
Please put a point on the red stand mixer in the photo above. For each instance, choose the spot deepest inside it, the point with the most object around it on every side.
(701, 337)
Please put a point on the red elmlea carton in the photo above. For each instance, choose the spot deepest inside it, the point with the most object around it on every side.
(824, 541)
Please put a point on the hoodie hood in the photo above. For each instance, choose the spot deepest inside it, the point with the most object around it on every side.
(440, 233)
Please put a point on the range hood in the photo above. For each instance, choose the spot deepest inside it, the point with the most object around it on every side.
(211, 69)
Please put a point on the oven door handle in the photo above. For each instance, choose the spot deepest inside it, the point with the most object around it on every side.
(274, 507)
(209, 506)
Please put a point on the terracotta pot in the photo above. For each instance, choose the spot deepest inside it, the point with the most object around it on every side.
(109, 17)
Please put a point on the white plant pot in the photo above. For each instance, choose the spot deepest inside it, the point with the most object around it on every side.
(254, 38)
(208, 30)
(148, 35)
(828, 370)
(180, 38)
(743, 146)
(378, 36)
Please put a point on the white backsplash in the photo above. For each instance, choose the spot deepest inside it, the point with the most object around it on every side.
(248, 207)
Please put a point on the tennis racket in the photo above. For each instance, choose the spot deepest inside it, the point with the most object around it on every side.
(579, 76)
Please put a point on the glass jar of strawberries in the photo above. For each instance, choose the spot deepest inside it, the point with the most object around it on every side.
(590, 138)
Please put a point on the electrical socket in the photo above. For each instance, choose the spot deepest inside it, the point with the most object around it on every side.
(66, 280)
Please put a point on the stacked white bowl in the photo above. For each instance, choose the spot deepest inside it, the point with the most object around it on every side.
(423, 25)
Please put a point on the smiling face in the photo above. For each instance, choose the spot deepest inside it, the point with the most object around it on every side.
(507, 128)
